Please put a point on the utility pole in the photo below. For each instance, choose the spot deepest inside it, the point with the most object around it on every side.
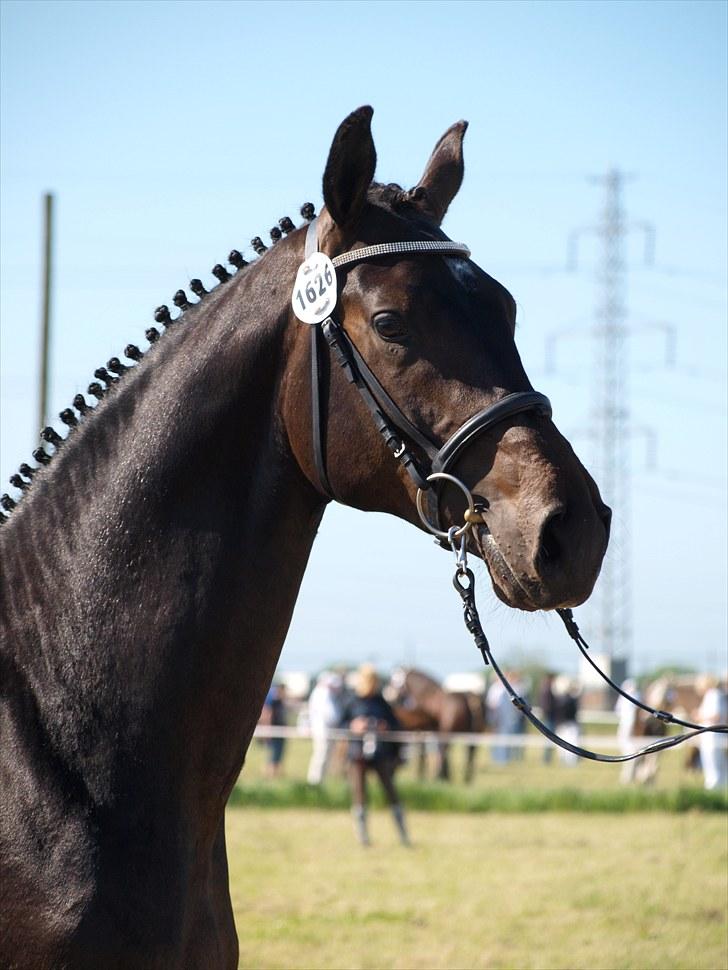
(45, 324)
(611, 428)
(610, 415)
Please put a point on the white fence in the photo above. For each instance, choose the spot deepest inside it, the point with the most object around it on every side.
(603, 742)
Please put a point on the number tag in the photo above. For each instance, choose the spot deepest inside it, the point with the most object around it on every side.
(314, 292)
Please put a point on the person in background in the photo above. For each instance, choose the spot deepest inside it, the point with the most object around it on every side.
(567, 716)
(368, 715)
(274, 714)
(626, 713)
(713, 750)
(324, 713)
(547, 703)
(503, 715)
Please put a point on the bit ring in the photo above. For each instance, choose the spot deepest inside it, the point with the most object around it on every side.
(426, 522)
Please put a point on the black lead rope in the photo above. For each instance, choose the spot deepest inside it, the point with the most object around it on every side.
(464, 583)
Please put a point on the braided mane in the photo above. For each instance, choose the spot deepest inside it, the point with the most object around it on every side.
(108, 377)
(390, 196)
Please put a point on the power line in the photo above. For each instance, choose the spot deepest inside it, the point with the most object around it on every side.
(611, 427)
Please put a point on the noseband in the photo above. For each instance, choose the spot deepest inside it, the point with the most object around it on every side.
(398, 432)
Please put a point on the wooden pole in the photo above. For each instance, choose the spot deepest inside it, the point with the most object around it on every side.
(46, 309)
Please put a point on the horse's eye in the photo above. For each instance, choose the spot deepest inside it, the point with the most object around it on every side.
(390, 326)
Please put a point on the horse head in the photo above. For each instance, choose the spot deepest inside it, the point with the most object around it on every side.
(438, 333)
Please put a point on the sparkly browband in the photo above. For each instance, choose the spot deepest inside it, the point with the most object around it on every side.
(442, 246)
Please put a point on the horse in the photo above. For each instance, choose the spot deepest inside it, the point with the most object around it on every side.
(150, 569)
(679, 695)
(419, 698)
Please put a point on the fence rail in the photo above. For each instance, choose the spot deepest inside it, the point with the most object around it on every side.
(605, 742)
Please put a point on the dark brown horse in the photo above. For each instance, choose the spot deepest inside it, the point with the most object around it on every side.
(420, 698)
(150, 571)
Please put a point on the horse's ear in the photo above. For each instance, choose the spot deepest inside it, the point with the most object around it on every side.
(350, 167)
(443, 174)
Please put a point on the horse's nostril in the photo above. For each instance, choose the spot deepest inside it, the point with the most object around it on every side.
(550, 548)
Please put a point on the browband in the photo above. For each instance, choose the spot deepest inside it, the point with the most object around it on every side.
(442, 246)
(445, 247)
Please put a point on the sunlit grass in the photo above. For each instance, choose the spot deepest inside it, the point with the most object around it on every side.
(502, 890)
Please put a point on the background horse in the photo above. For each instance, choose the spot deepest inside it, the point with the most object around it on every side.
(419, 699)
(150, 571)
(679, 695)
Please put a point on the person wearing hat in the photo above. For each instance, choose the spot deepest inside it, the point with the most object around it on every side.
(369, 715)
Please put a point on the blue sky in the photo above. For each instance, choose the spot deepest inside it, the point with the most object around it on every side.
(171, 132)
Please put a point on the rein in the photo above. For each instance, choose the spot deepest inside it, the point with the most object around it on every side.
(464, 583)
(397, 430)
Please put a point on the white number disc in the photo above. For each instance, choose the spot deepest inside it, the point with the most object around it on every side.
(314, 292)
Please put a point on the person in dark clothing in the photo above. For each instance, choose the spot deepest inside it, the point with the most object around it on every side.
(368, 715)
(547, 703)
(274, 714)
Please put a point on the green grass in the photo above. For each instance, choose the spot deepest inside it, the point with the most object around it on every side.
(546, 890)
(526, 785)
(568, 869)
(457, 798)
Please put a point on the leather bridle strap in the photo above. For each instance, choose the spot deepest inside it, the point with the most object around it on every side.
(506, 407)
(389, 420)
(317, 412)
(394, 426)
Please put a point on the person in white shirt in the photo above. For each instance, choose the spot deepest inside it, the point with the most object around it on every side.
(713, 747)
(503, 715)
(324, 713)
(626, 713)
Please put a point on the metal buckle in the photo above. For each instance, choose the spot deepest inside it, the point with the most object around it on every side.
(449, 535)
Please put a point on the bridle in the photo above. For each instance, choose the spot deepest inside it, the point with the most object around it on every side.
(399, 434)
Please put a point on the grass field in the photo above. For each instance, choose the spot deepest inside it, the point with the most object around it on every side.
(520, 891)
(565, 889)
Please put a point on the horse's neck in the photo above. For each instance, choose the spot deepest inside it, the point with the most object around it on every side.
(152, 573)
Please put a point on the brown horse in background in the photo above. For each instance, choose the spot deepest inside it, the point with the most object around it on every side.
(421, 703)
